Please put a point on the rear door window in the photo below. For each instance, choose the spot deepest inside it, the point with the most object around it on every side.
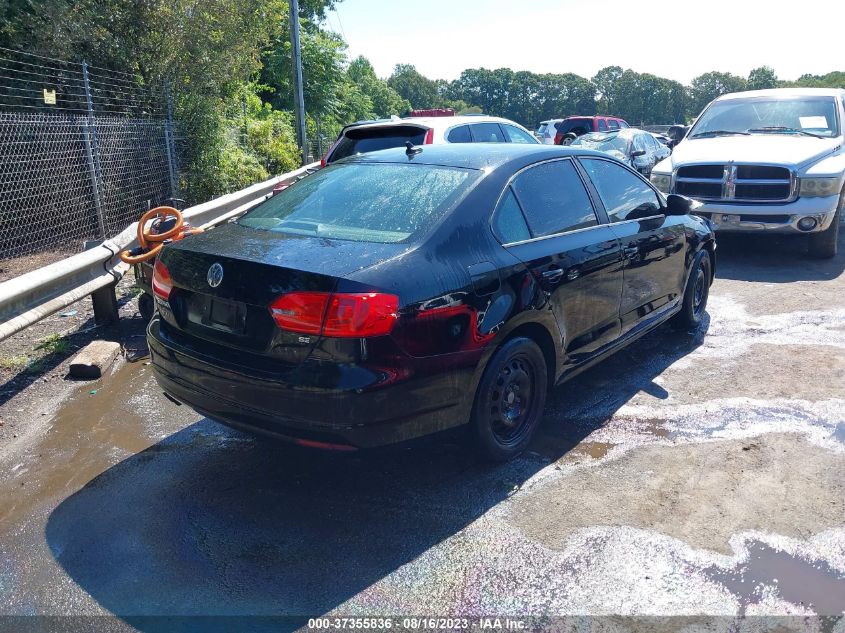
(459, 134)
(371, 139)
(624, 195)
(366, 202)
(509, 224)
(487, 133)
(515, 135)
(554, 199)
(602, 125)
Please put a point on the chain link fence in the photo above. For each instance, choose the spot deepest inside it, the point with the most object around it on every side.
(83, 152)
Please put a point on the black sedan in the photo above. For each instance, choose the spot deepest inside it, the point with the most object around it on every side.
(408, 291)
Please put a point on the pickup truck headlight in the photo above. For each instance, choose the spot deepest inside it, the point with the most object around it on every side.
(663, 182)
(818, 187)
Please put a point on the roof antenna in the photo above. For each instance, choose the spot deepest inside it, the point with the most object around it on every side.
(411, 150)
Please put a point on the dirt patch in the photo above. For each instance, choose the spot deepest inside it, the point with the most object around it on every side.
(761, 268)
(14, 267)
(34, 362)
(699, 493)
(764, 372)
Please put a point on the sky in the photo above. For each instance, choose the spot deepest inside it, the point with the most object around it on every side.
(677, 40)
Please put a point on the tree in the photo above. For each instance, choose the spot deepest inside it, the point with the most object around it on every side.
(761, 78)
(206, 51)
(834, 79)
(605, 82)
(708, 86)
(385, 100)
(420, 91)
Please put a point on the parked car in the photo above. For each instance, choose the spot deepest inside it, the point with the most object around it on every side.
(546, 131)
(636, 148)
(408, 291)
(669, 135)
(662, 139)
(572, 127)
(766, 160)
(370, 136)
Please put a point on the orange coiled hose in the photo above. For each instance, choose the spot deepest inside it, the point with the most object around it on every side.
(151, 243)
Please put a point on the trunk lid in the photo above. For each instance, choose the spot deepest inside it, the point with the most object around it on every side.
(257, 267)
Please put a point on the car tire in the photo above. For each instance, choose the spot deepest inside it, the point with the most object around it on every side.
(696, 293)
(823, 245)
(567, 139)
(504, 418)
(146, 307)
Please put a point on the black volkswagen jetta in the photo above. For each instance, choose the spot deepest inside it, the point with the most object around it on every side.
(411, 290)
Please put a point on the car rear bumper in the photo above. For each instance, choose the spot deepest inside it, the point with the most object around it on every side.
(290, 408)
(782, 218)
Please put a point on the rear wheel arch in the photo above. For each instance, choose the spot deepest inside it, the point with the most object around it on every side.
(710, 247)
(544, 340)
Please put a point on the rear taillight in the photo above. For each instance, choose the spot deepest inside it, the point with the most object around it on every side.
(342, 315)
(429, 136)
(162, 283)
(300, 311)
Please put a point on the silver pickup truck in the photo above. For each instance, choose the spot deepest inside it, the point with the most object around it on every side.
(766, 160)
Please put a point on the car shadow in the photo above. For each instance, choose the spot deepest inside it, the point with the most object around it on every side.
(774, 259)
(212, 521)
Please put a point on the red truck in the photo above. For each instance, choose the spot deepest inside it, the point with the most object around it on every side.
(433, 112)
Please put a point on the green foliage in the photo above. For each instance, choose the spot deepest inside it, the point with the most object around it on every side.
(523, 96)
(53, 344)
(835, 79)
(323, 55)
(605, 83)
(384, 99)
(708, 86)
(418, 90)
(239, 168)
(762, 78)
(207, 51)
(645, 99)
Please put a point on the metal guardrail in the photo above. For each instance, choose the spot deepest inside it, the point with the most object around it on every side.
(29, 298)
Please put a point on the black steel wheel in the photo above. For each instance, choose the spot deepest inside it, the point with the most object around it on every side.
(510, 399)
(696, 293)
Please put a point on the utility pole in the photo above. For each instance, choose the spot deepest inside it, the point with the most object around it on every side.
(299, 98)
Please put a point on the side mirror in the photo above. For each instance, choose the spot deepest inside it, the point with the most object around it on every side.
(680, 205)
(637, 152)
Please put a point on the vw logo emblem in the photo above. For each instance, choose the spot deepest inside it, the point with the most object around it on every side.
(215, 275)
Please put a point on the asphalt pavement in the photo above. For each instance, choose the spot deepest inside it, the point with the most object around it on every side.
(688, 476)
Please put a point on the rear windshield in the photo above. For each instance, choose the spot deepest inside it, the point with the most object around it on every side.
(569, 124)
(372, 139)
(365, 202)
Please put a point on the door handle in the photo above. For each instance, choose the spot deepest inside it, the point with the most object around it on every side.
(552, 275)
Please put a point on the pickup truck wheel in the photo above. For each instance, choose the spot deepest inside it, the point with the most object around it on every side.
(696, 294)
(510, 400)
(823, 245)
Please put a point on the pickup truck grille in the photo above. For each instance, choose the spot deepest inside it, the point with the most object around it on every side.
(736, 183)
